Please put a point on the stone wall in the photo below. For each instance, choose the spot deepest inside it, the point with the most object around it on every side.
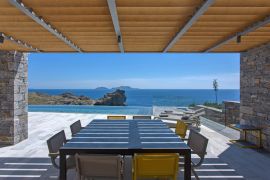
(213, 114)
(230, 114)
(231, 111)
(13, 97)
(255, 91)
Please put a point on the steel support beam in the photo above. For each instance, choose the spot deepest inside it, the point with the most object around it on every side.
(19, 42)
(113, 11)
(249, 29)
(27, 11)
(189, 23)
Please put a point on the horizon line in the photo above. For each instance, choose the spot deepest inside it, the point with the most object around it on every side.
(135, 88)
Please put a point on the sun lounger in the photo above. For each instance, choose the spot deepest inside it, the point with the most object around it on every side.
(191, 120)
(163, 115)
(171, 122)
(167, 113)
(194, 111)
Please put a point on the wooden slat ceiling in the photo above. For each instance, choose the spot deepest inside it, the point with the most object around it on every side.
(146, 25)
(223, 19)
(150, 25)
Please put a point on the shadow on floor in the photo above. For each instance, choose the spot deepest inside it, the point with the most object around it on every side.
(29, 168)
(41, 168)
(251, 163)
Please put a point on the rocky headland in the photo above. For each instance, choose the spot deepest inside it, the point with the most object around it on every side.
(116, 98)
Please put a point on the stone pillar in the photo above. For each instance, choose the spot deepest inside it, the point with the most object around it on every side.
(255, 91)
(13, 97)
(231, 111)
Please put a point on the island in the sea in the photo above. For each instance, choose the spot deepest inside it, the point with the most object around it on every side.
(125, 88)
(116, 98)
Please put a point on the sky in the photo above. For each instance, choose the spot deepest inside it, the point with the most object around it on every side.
(142, 70)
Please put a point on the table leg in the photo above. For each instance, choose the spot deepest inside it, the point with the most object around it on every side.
(187, 166)
(63, 170)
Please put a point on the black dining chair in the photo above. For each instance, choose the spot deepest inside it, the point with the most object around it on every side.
(75, 127)
(54, 144)
(142, 117)
(198, 144)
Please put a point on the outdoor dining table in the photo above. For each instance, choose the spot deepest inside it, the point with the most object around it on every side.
(126, 137)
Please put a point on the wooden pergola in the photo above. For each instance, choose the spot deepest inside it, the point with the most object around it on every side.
(120, 26)
(134, 25)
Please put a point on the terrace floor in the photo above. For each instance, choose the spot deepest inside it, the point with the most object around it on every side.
(29, 160)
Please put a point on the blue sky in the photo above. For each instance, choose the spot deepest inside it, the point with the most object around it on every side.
(149, 71)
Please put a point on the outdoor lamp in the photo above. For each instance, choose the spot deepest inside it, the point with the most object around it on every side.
(238, 40)
(119, 39)
(1, 38)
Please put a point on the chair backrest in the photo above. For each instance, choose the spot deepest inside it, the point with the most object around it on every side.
(155, 165)
(56, 142)
(197, 143)
(116, 117)
(98, 166)
(181, 129)
(75, 127)
(142, 117)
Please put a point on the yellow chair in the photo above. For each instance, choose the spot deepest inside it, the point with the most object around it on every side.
(161, 166)
(181, 129)
(116, 117)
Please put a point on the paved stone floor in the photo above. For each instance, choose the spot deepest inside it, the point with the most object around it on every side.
(28, 159)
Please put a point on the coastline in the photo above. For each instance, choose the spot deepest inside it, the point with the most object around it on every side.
(116, 98)
(156, 97)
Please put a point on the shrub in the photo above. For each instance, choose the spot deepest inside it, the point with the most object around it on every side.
(214, 105)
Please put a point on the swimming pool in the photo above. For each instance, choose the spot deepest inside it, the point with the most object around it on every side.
(137, 110)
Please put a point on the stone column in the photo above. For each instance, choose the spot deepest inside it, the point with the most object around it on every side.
(13, 97)
(255, 91)
(231, 111)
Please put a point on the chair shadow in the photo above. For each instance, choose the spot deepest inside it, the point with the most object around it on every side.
(29, 168)
(41, 168)
(214, 168)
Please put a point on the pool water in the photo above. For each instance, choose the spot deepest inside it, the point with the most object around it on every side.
(137, 110)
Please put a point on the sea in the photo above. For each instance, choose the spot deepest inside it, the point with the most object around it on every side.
(139, 101)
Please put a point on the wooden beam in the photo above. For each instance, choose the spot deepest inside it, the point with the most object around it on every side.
(19, 42)
(30, 13)
(114, 15)
(186, 27)
(247, 30)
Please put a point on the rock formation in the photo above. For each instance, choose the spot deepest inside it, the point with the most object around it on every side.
(62, 99)
(117, 98)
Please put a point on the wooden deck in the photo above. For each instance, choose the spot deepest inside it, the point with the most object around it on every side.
(28, 159)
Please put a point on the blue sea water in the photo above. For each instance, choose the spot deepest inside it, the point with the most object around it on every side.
(139, 101)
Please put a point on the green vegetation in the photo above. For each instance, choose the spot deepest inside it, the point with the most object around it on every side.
(192, 105)
(67, 98)
(116, 98)
(214, 105)
(209, 104)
